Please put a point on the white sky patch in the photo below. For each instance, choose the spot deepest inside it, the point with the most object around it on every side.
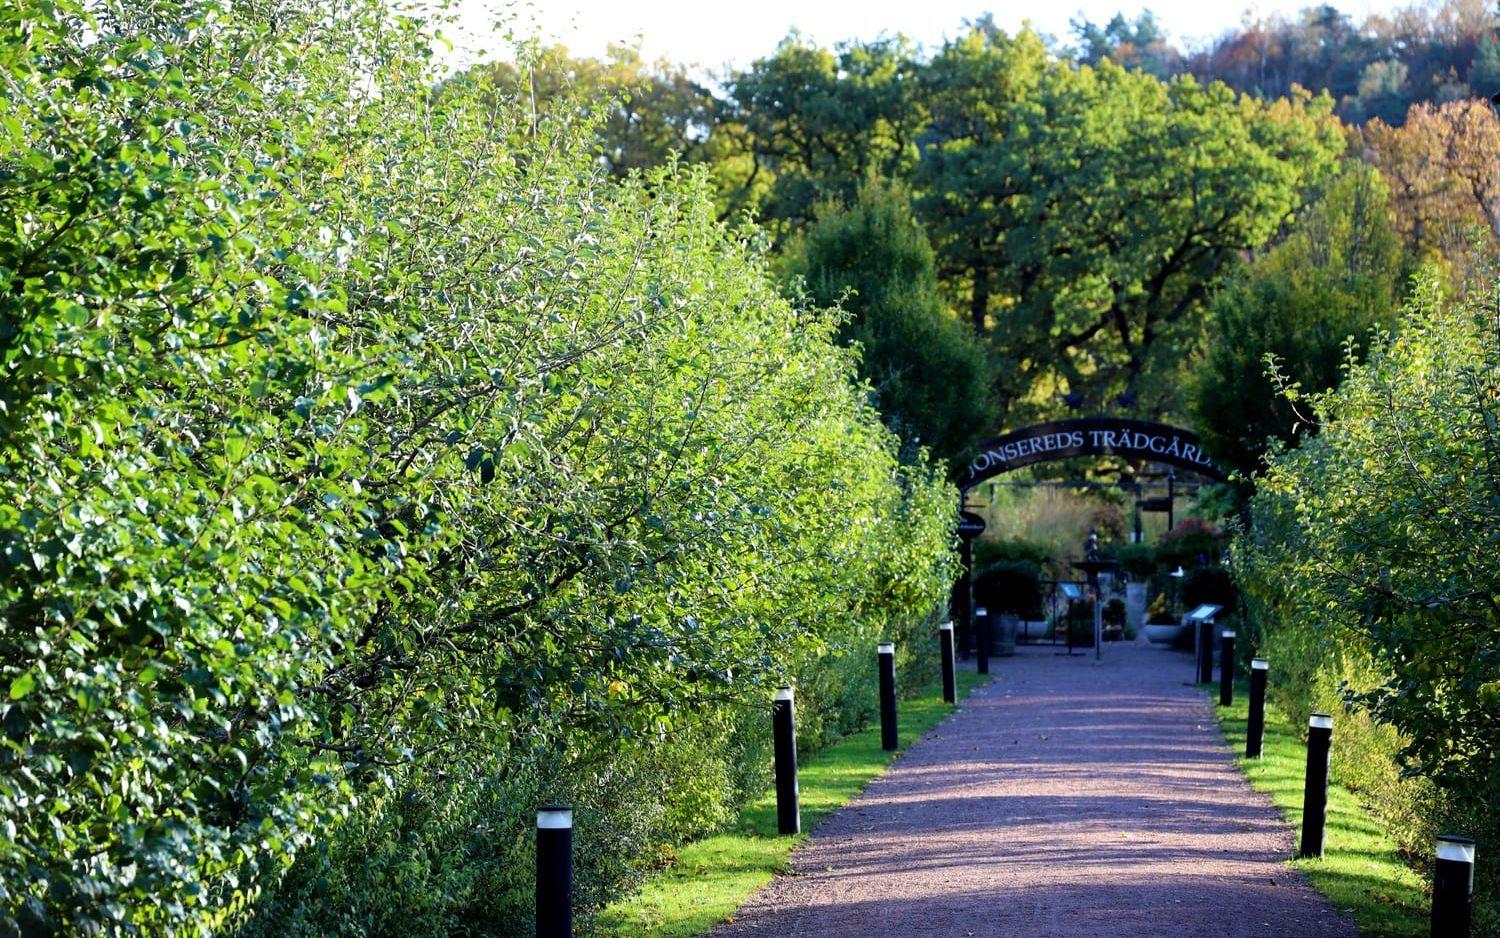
(714, 37)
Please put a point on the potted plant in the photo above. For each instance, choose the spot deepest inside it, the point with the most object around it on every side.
(1012, 591)
(1113, 615)
(1138, 563)
(1162, 624)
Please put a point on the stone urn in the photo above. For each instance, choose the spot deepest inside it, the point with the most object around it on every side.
(1163, 633)
(1007, 624)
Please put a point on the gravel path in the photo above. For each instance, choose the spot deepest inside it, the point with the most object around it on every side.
(1065, 798)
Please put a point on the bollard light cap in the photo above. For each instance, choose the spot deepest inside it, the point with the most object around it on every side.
(946, 627)
(1260, 664)
(887, 648)
(554, 817)
(783, 693)
(1320, 721)
(1454, 847)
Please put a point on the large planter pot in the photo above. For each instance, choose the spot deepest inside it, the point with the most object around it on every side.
(1040, 629)
(1135, 603)
(1158, 633)
(1005, 634)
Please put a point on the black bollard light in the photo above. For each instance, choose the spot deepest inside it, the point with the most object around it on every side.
(1453, 887)
(554, 871)
(982, 625)
(784, 746)
(945, 648)
(1205, 649)
(1226, 667)
(887, 657)
(1315, 784)
(1255, 729)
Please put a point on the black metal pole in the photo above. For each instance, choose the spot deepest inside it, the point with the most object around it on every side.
(1171, 500)
(887, 656)
(554, 871)
(982, 625)
(945, 648)
(1098, 616)
(1453, 887)
(1315, 784)
(1226, 667)
(1255, 729)
(1205, 648)
(784, 744)
(966, 598)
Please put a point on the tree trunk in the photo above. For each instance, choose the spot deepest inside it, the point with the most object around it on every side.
(979, 302)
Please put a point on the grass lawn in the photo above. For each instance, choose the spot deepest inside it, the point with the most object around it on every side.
(713, 876)
(1360, 871)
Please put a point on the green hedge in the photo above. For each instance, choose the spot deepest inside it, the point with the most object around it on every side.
(1370, 570)
(372, 469)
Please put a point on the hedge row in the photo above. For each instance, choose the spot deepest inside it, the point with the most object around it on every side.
(1370, 568)
(372, 469)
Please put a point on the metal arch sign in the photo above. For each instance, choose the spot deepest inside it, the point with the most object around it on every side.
(1091, 436)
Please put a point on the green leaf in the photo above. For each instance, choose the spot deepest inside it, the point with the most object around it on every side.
(22, 685)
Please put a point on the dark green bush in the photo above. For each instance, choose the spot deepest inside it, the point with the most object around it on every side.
(991, 551)
(1078, 622)
(1014, 587)
(1210, 585)
(1137, 561)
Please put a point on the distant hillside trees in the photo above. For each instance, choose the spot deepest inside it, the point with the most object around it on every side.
(1377, 68)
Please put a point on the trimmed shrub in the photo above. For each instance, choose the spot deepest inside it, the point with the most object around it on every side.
(1014, 587)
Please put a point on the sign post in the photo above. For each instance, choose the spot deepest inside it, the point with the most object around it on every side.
(970, 526)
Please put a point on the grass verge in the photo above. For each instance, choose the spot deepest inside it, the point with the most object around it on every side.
(1360, 872)
(714, 876)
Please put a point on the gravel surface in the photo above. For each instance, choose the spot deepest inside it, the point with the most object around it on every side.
(1065, 798)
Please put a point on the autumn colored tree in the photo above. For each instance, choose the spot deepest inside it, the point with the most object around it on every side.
(1443, 168)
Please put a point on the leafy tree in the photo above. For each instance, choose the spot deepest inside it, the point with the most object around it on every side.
(1443, 168)
(370, 456)
(1091, 210)
(974, 85)
(651, 111)
(1309, 303)
(1369, 564)
(928, 372)
(1382, 93)
(1378, 68)
(818, 122)
(1140, 43)
(1484, 77)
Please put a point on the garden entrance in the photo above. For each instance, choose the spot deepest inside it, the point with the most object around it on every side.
(1140, 440)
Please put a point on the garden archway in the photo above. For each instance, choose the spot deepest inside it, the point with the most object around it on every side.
(1066, 439)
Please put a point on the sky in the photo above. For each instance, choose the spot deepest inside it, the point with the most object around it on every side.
(712, 36)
